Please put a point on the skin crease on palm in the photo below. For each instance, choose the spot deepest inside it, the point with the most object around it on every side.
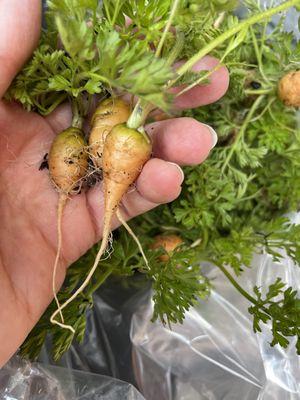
(28, 202)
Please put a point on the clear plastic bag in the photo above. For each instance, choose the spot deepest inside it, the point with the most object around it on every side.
(215, 355)
(22, 380)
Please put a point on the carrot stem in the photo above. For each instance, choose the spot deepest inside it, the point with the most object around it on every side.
(231, 32)
(167, 28)
(77, 120)
(139, 114)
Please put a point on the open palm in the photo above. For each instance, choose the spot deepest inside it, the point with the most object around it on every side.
(28, 201)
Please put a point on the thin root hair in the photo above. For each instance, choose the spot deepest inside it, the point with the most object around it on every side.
(106, 240)
(61, 204)
(132, 234)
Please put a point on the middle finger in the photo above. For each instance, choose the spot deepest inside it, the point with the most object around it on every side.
(183, 141)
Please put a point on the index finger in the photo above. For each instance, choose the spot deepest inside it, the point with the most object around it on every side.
(202, 95)
(20, 23)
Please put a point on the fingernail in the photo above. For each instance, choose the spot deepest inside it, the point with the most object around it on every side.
(181, 172)
(214, 135)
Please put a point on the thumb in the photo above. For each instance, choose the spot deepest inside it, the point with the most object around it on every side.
(20, 23)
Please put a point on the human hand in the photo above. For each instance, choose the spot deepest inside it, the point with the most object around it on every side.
(28, 209)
